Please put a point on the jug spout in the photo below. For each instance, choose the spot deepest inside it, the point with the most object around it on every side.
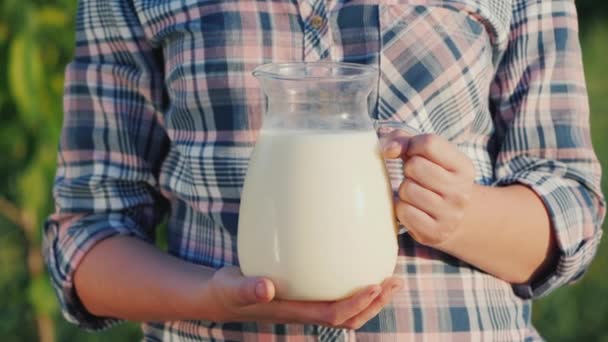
(318, 95)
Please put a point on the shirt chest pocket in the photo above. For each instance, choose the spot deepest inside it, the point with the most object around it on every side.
(435, 68)
(210, 49)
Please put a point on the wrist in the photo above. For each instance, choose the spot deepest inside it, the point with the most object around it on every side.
(191, 293)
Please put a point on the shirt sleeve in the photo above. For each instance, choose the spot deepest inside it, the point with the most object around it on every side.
(539, 102)
(111, 147)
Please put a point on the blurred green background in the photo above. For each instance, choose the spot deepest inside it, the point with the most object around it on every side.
(36, 42)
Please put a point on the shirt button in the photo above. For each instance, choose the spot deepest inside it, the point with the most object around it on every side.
(316, 22)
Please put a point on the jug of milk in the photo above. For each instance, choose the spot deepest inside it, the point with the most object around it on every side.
(316, 213)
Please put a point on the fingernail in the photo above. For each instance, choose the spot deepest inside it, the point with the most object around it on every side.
(260, 290)
(390, 146)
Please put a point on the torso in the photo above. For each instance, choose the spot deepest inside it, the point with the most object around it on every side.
(437, 60)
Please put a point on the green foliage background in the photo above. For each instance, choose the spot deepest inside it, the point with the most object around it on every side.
(36, 42)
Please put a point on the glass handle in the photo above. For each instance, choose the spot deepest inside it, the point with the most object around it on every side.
(395, 167)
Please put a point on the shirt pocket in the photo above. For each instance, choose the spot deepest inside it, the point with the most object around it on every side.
(435, 68)
(210, 49)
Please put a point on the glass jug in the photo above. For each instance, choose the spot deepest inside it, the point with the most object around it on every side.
(316, 213)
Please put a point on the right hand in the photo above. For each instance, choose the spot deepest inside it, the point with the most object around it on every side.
(236, 298)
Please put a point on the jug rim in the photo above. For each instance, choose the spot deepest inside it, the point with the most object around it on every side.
(273, 71)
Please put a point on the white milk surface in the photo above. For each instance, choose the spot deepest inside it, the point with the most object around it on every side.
(316, 214)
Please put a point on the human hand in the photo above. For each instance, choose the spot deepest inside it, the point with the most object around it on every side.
(438, 184)
(244, 299)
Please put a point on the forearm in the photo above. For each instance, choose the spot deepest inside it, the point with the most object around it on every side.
(505, 232)
(127, 278)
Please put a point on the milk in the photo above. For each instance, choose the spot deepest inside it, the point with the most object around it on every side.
(316, 213)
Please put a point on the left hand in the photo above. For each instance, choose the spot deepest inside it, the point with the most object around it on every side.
(438, 185)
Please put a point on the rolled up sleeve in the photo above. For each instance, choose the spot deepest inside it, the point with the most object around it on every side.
(539, 101)
(111, 148)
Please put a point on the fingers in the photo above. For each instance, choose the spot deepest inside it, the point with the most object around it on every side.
(438, 150)
(280, 311)
(402, 144)
(421, 225)
(250, 299)
(331, 314)
(323, 313)
(341, 311)
(394, 144)
(389, 288)
(428, 174)
(426, 200)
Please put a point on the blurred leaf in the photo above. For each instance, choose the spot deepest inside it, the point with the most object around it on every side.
(51, 55)
(3, 32)
(11, 257)
(33, 188)
(13, 143)
(25, 77)
(57, 83)
(41, 296)
(14, 14)
(16, 322)
(50, 16)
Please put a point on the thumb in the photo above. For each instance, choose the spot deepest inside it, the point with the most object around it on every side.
(253, 290)
(391, 149)
(394, 145)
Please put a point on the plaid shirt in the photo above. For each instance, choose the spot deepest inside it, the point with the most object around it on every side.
(161, 114)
